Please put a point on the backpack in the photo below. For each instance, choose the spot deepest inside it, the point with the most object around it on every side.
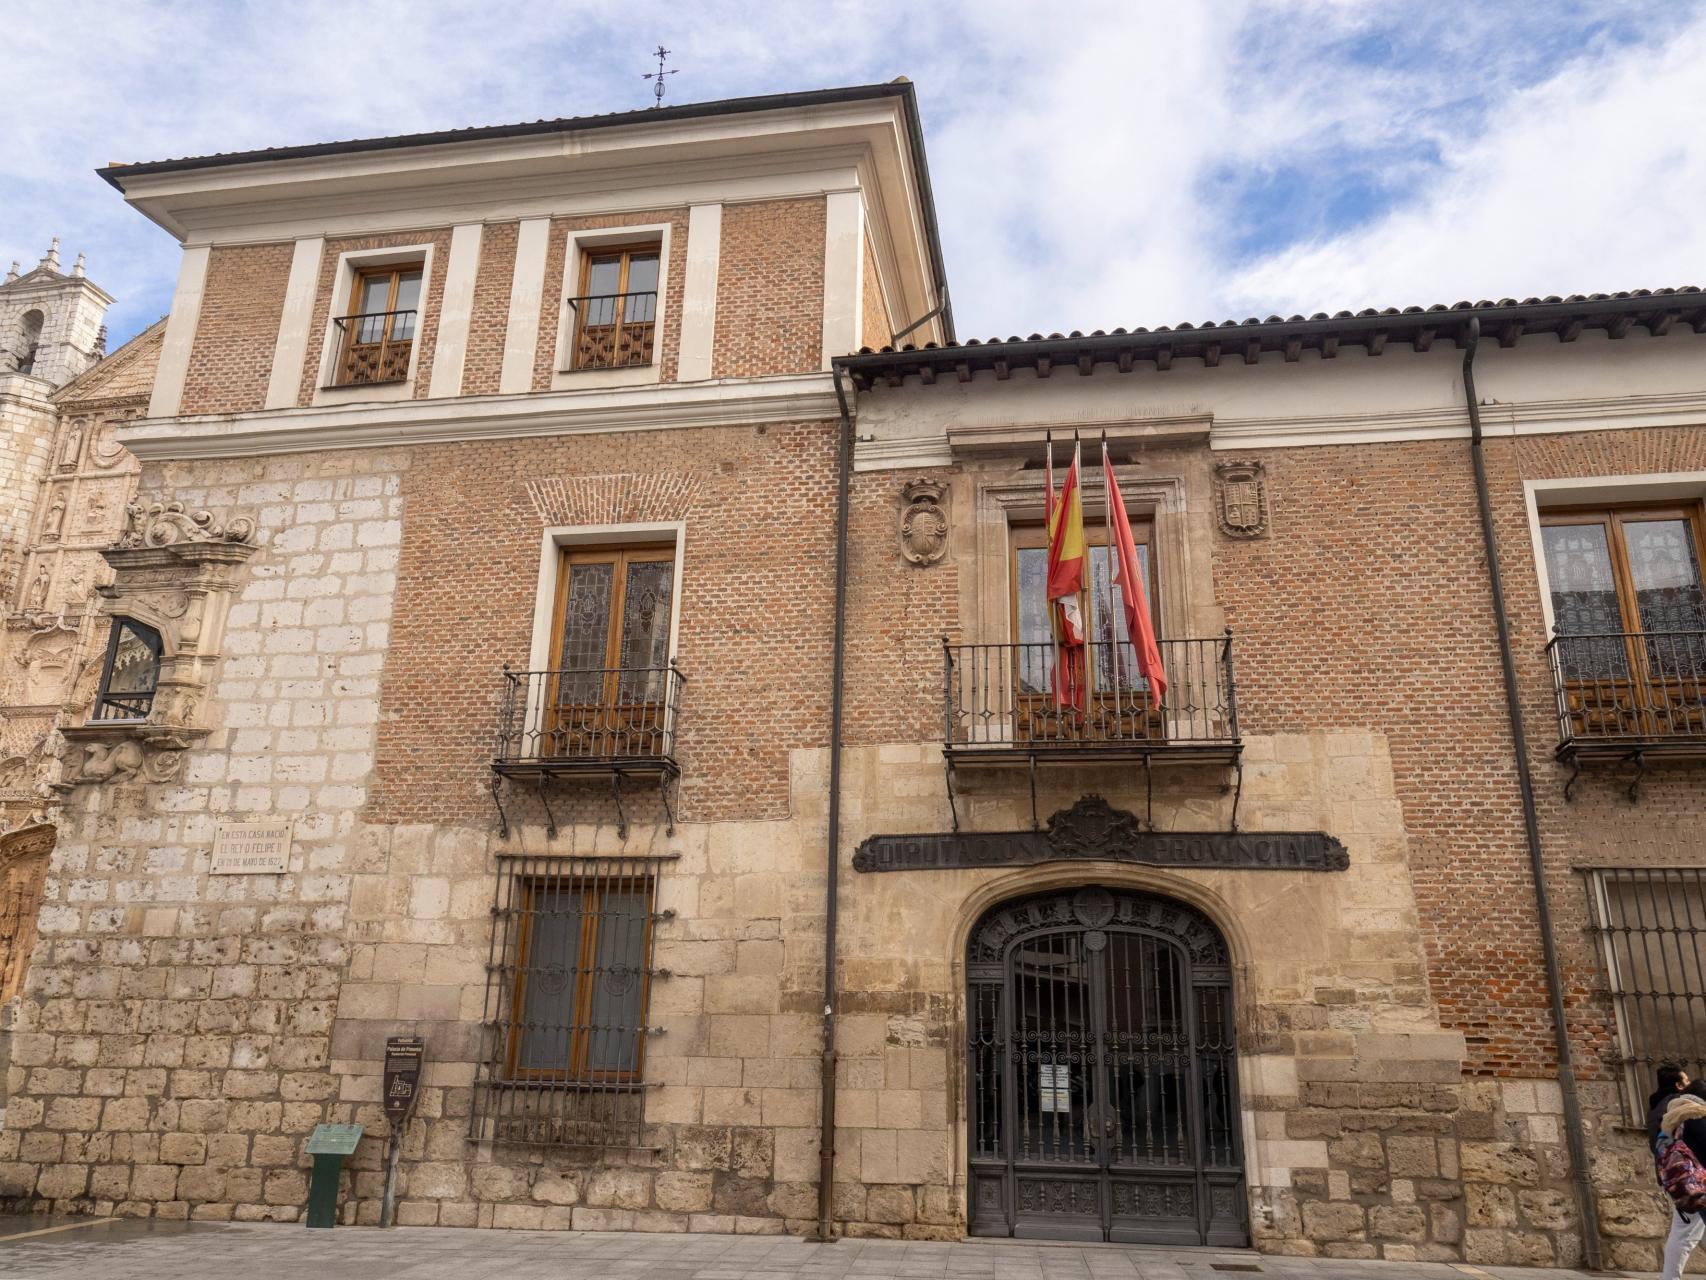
(1680, 1174)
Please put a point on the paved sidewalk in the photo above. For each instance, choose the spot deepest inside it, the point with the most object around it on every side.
(136, 1250)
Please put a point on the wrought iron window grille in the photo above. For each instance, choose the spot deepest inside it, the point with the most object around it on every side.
(614, 330)
(1625, 695)
(374, 347)
(568, 991)
(1650, 924)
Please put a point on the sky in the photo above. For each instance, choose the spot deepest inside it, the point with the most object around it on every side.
(1094, 165)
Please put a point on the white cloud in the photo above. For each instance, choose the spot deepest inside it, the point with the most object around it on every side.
(1076, 150)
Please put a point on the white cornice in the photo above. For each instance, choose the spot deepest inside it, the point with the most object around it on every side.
(1527, 418)
(721, 403)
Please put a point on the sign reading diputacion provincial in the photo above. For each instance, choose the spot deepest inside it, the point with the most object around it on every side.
(251, 848)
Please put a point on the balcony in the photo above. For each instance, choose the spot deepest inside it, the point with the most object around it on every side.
(614, 330)
(373, 348)
(997, 708)
(1623, 695)
(614, 723)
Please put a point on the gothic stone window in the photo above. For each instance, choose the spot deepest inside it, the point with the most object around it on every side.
(131, 672)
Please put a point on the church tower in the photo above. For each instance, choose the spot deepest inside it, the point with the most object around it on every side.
(50, 322)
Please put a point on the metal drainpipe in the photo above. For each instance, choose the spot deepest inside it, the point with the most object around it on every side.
(1574, 1134)
(826, 1080)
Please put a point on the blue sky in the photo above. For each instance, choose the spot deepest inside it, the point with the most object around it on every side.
(1094, 164)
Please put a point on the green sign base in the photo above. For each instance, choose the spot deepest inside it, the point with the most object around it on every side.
(323, 1191)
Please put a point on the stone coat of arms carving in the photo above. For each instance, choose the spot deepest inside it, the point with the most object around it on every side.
(923, 522)
(1241, 499)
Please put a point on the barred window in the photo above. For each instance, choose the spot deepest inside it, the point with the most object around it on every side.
(1651, 926)
(570, 984)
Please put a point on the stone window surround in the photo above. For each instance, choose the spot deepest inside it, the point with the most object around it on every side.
(1541, 496)
(350, 263)
(1001, 504)
(564, 378)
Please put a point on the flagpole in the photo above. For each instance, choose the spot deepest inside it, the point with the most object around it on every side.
(1113, 555)
(1055, 685)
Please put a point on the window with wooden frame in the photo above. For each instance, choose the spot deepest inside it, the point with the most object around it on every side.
(609, 691)
(1118, 690)
(615, 313)
(581, 978)
(1629, 610)
(377, 338)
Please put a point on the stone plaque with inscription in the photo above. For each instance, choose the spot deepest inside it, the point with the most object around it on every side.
(251, 848)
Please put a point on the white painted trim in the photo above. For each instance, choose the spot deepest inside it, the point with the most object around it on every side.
(455, 310)
(168, 394)
(578, 242)
(526, 289)
(1540, 496)
(343, 283)
(699, 292)
(725, 402)
(284, 383)
(1528, 418)
(843, 272)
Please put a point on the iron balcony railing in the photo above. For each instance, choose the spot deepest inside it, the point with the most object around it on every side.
(570, 719)
(998, 696)
(374, 347)
(614, 330)
(123, 706)
(1629, 690)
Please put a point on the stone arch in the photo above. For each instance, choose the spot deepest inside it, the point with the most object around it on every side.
(29, 340)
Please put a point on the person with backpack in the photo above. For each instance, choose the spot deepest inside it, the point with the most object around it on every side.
(1676, 1125)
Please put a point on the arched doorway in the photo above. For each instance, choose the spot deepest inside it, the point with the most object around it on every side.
(1101, 1072)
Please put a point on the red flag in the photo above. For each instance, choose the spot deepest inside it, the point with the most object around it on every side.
(1132, 595)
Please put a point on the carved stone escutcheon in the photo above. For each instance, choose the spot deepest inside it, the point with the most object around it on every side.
(1241, 499)
(1092, 828)
(923, 522)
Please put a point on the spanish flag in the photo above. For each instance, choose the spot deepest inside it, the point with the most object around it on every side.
(1066, 565)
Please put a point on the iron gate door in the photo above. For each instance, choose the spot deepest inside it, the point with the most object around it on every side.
(1101, 1073)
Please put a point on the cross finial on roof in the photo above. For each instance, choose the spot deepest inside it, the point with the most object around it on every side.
(657, 77)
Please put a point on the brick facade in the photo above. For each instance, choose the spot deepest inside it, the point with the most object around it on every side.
(489, 324)
(770, 289)
(181, 1032)
(238, 326)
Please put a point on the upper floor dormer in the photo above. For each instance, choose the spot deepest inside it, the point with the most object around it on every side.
(723, 245)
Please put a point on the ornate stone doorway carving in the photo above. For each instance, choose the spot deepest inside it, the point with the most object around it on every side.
(1101, 1072)
(23, 871)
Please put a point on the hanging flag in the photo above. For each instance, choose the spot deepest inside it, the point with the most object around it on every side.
(1132, 595)
(1066, 561)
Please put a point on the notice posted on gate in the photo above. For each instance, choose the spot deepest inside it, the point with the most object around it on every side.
(251, 848)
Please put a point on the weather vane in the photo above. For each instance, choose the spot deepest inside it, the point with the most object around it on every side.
(658, 75)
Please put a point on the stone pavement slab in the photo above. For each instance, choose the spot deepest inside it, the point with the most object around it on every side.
(126, 1249)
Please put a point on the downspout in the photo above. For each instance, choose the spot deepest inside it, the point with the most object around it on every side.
(1576, 1138)
(831, 911)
